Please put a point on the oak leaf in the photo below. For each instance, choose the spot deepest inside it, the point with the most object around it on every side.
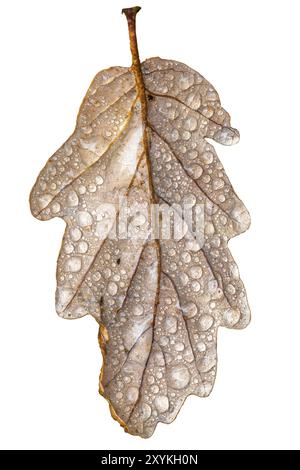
(141, 138)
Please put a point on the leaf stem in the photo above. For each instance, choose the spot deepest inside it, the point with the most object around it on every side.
(130, 14)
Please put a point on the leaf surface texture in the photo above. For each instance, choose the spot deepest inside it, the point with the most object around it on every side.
(159, 303)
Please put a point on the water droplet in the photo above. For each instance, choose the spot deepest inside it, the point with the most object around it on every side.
(196, 286)
(184, 279)
(68, 248)
(186, 257)
(190, 199)
(107, 273)
(179, 347)
(96, 276)
(174, 135)
(192, 154)
(150, 379)
(132, 394)
(196, 272)
(161, 403)
(112, 288)
(82, 189)
(201, 347)
(208, 111)
(75, 234)
(212, 286)
(138, 310)
(231, 317)
(209, 229)
(84, 218)
(186, 135)
(189, 310)
(205, 322)
(190, 124)
(207, 157)
(73, 264)
(185, 81)
(82, 247)
(55, 208)
(72, 199)
(178, 376)
(223, 219)
(218, 183)
(195, 171)
(99, 180)
(173, 266)
(230, 289)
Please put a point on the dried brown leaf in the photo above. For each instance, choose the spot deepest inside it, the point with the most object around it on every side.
(141, 133)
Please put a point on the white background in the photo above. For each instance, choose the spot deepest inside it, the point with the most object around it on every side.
(249, 50)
